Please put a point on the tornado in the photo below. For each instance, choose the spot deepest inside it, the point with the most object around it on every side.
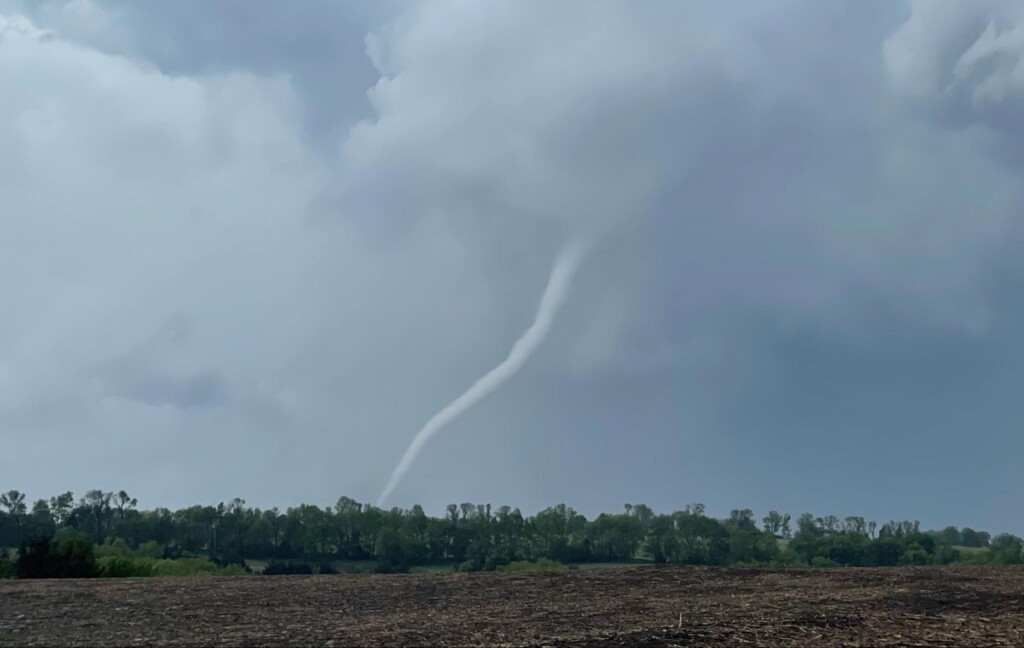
(554, 296)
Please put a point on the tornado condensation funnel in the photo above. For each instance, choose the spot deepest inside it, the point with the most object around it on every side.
(554, 296)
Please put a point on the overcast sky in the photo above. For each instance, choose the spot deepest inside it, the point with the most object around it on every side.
(247, 249)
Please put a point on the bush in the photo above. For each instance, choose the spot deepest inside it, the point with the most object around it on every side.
(118, 567)
(281, 568)
(231, 560)
(790, 558)
(6, 568)
(915, 555)
(541, 564)
(70, 557)
(822, 561)
(391, 568)
(112, 547)
(151, 549)
(326, 568)
(184, 567)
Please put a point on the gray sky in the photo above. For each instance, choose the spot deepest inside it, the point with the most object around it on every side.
(247, 249)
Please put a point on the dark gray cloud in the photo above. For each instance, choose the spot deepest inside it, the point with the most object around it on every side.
(804, 292)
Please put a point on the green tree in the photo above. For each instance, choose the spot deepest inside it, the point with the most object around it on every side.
(972, 538)
(855, 524)
(61, 507)
(695, 508)
(1007, 549)
(123, 503)
(807, 524)
(742, 519)
(949, 536)
(14, 502)
(773, 522)
(829, 523)
(95, 506)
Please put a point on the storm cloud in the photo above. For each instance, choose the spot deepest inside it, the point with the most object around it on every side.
(804, 292)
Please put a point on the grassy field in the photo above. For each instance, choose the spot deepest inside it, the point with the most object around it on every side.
(975, 551)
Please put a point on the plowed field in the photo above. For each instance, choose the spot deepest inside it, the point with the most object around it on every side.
(627, 606)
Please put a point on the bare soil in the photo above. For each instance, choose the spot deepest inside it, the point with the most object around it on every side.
(625, 606)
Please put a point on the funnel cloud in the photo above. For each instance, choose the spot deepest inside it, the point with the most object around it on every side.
(554, 296)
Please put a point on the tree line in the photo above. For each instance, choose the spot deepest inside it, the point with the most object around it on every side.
(471, 536)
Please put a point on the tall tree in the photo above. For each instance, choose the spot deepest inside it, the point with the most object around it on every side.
(123, 503)
(742, 519)
(96, 505)
(807, 525)
(773, 523)
(14, 502)
(61, 507)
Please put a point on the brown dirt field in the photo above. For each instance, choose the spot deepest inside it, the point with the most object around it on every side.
(627, 606)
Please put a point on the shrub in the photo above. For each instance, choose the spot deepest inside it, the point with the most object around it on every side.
(112, 547)
(391, 568)
(231, 560)
(70, 557)
(118, 567)
(326, 568)
(541, 564)
(281, 568)
(915, 555)
(184, 567)
(822, 561)
(790, 558)
(6, 568)
(151, 549)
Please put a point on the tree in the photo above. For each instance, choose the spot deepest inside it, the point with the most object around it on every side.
(61, 506)
(829, 523)
(773, 523)
(971, 538)
(14, 502)
(1007, 549)
(123, 502)
(786, 531)
(742, 519)
(807, 524)
(949, 536)
(70, 557)
(643, 514)
(235, 514)
(40, 520)
(96, 506)
(855, 524)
